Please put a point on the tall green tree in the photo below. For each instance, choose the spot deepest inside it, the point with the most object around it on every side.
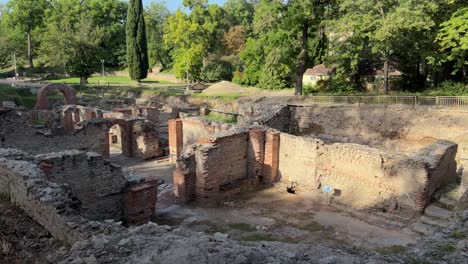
(378, 26)
(26, 15)
(453, 39)
(194, 36)
(73, 39)
(137, 48)
(156, 16)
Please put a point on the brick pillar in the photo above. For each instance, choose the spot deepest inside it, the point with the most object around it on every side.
(256, 153)
(184, 186)
(464, 178)
(105, 144)
(271, 163)
(67, 121)
(126, 139)
(140, 203)
(176, 137)
(151, 113)
(76, 116)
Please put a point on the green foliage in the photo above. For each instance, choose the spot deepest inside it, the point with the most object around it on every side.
(216, 71)
(191, 37)
(449, 88)
(392, 250)
(458, 235)
(453, 39)
(242, 227)
(156, 15)
(447, 248)
(137, 50)
(73, 43)
(221, 118)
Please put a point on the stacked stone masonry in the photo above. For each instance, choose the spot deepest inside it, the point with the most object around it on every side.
(63, 191)
(225, 164)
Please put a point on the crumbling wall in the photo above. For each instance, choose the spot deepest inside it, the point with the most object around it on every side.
(195, 128)
(145, 140)
(15, 132)
(97, 183)
(224, 164)
(50, 204)
(213, 169)
(367, 177)
(372, 126)
(70, 115)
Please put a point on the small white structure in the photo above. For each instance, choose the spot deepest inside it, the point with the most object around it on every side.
(317, 73)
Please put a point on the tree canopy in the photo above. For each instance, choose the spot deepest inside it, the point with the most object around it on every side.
(263, 43)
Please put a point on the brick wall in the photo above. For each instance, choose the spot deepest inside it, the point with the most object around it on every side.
(222, 165)
(140, 203)
(271, 162)
(196, 128)
(15, 132)
(256, 153)
(49, 204)
(367, 177)
(145, 140)
(97, 183)
(175, 128)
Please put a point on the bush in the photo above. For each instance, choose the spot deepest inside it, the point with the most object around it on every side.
(217, 71)
(450, 88)
(340, 86)
(238, 77)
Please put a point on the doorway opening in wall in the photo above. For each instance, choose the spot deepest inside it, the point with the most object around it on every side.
(115, 141)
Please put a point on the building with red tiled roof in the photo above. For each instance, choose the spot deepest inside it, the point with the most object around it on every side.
(317, 73)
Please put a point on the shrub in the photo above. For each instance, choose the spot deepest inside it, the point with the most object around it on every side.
(450, 88)
(217, 71)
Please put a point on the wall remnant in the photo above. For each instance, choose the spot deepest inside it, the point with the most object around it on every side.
(368, 178)
(43, 104)
(221, 165)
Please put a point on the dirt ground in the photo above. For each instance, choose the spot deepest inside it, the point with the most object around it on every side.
(22, 240)
(275, 215)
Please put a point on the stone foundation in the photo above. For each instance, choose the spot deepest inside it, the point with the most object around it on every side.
(63, 191)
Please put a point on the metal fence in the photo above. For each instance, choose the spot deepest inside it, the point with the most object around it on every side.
(407, 101)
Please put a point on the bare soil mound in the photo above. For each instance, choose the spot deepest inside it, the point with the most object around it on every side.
(224, 87)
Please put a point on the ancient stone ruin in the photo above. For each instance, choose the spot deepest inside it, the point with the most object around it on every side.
(155, 179)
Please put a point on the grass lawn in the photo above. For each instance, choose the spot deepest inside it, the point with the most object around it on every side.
(108, 79)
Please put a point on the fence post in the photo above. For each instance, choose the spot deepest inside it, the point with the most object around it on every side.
(437, 101)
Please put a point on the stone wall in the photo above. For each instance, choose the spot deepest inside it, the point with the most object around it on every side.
(145, 140)
(49, 204)
(373, 126)
(97, 183)
(15, 132)
(195, 128)
(368, 178)
(58, 189)
(224, 164)
(139, 137)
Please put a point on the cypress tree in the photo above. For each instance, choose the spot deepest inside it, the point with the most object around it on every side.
(137, 51)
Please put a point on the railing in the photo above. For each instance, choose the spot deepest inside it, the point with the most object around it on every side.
(406, 101)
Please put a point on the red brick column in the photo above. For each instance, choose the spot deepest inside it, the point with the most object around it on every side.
(67, 121)
(105, 145)
(140, 203)
(271, 163)
(127, 139)
(256, 153)
(176, 137)
(184, 187)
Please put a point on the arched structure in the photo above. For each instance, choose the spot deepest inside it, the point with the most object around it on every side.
(42, 103)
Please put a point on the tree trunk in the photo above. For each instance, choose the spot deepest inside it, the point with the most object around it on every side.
(30, 57)
(301, 68)
(83, 79)
(386, 76)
